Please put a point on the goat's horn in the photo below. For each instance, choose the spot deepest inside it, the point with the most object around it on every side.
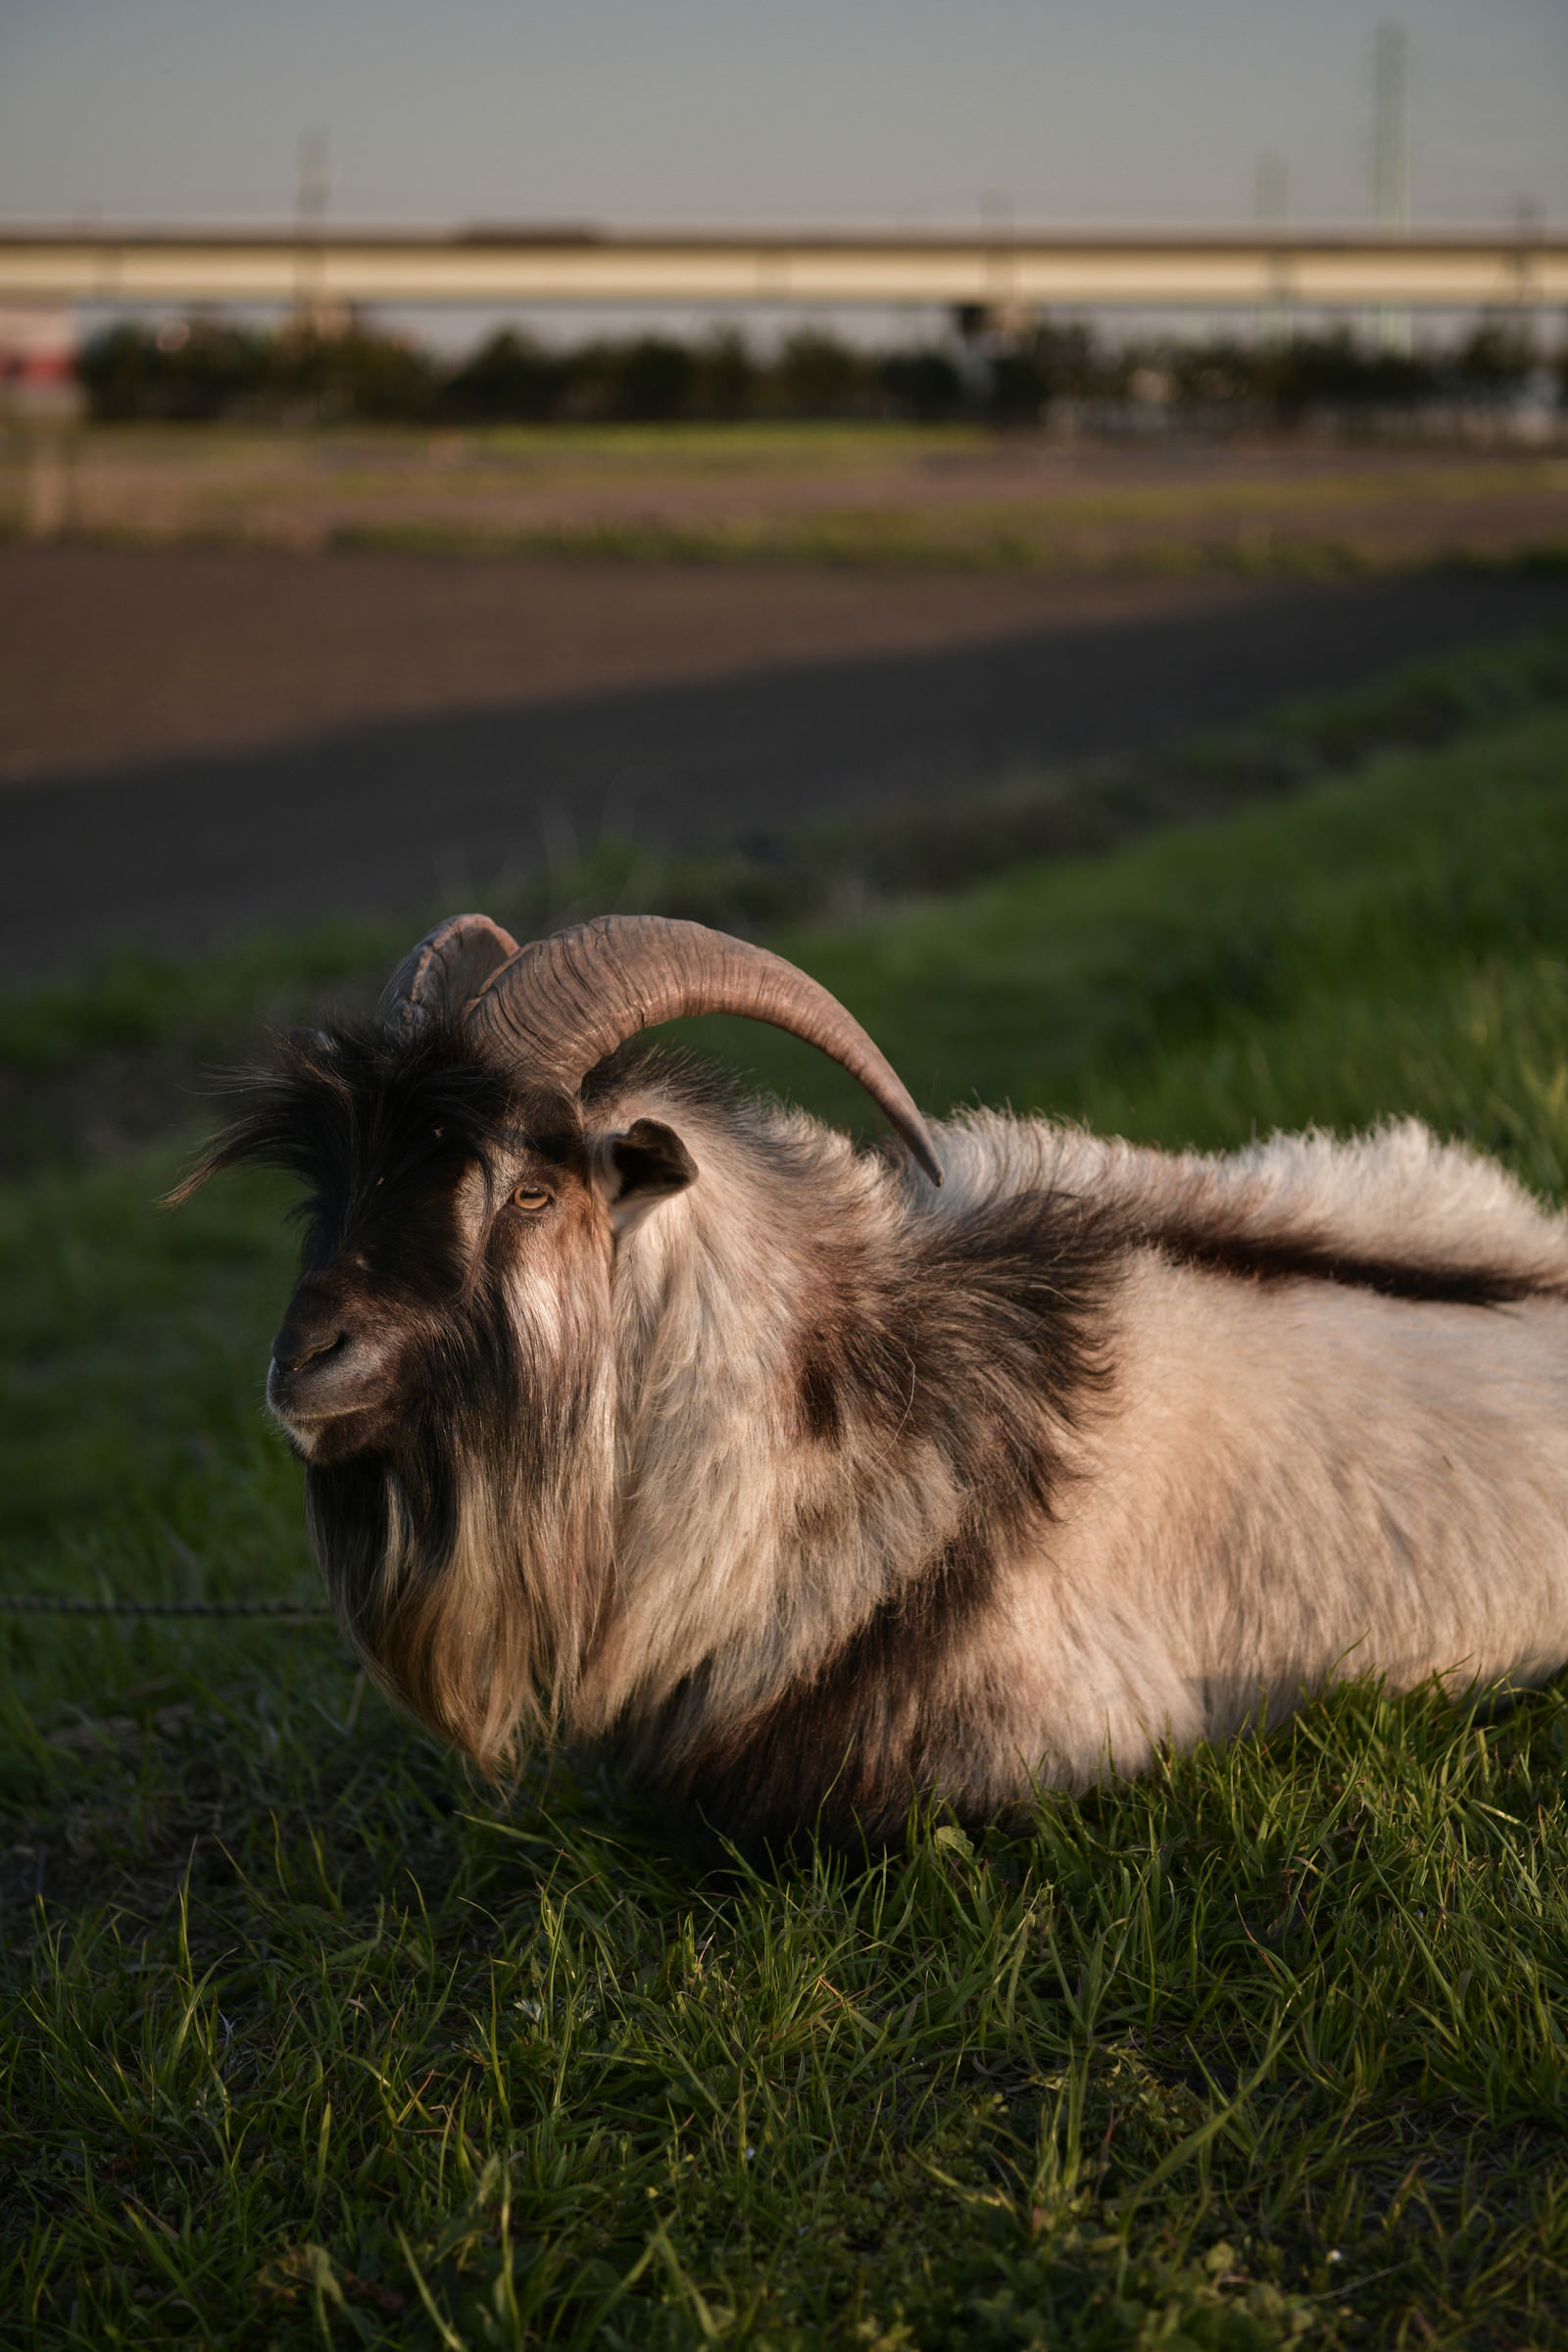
(446, 970)
(562, 1003)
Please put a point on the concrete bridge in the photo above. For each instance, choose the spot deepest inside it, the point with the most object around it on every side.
(997, 270)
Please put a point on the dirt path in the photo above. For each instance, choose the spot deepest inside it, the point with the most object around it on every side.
(229, 741)
(110, 658)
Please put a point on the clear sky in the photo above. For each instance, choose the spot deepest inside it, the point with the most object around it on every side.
(694, 111)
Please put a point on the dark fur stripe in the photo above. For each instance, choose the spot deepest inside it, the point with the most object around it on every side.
(889, 1718)
(987, 1345)
(1010, 1303)
(1307, 1258)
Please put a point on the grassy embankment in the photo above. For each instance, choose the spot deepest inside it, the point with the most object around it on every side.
(307, 2040)
(122, 1057)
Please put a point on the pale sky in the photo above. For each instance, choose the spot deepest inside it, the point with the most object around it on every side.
(1146, 112)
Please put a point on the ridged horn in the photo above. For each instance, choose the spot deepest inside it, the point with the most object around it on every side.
(562, 1003)
(446, 970)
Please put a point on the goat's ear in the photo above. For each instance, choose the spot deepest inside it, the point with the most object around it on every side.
(640, 1167)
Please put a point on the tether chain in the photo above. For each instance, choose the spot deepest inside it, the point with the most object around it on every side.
(37, 1605)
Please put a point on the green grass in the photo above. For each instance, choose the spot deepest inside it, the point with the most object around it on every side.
(1394, 941)
(309, 2040)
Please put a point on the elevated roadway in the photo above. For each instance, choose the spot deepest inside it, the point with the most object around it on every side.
(1459, 270)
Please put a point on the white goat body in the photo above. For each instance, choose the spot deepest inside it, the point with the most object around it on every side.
(1278, 1476)
(670, 1421)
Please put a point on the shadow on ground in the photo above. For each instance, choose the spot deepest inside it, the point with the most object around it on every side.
(184, 852)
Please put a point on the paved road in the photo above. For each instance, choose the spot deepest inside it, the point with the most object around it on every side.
(182, 852)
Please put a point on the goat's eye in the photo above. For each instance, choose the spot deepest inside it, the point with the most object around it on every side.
(530, 1195)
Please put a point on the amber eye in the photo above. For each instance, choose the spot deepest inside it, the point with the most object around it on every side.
(530, 1195)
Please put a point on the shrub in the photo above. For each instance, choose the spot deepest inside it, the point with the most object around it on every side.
(509, 379)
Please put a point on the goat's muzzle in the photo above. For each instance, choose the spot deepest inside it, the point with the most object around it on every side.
(328, 1373)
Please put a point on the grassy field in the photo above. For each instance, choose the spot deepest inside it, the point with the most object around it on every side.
(309, 2039)
(868, 494)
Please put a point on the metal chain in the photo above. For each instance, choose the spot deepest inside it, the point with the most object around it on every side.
(37, 1605)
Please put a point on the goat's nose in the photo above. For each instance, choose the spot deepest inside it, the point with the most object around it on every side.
(326, 1363)
(294, 1348)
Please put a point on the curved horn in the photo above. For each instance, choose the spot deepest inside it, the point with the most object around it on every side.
(562, 1003)
(446, 970)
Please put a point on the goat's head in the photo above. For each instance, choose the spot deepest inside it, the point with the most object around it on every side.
(445, 1366)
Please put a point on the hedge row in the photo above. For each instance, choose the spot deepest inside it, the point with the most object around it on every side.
(209, 369)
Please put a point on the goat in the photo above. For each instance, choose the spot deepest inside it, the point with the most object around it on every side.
(641, 1412)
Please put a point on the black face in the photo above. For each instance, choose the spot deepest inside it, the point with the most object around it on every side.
(429, 1180)
(397, 1301)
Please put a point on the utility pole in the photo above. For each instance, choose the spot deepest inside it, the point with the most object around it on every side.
(1002, 303)
(1531, 220)
(1273, 207)
(1391, 158)
(313, 191)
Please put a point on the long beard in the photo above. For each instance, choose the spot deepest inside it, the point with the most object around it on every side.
(465, 1577)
